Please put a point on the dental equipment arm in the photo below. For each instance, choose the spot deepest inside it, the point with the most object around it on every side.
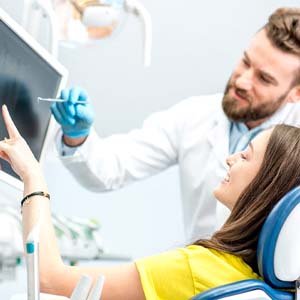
(140, 10)
(32, 261)
(34, 11)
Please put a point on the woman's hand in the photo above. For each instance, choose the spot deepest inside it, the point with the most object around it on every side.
(16, 151)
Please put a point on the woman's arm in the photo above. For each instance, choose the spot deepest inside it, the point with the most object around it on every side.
(121, 282)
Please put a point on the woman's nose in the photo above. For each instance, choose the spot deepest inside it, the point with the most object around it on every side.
(232, 159)
(229, 161)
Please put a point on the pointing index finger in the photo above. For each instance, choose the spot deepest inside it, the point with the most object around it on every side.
(10, 126)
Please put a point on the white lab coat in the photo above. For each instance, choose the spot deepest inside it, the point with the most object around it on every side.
(193, 134)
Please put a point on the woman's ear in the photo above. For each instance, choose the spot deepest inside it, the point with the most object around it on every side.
(294, 94)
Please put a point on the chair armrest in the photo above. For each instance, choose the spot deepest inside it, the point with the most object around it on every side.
(251, 288)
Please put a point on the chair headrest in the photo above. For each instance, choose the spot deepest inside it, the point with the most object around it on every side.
(279, 243)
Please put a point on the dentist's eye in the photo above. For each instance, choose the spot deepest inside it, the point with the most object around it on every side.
(263, 79)
(245, 62)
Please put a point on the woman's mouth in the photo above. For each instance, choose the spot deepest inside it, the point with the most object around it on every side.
(226, 178)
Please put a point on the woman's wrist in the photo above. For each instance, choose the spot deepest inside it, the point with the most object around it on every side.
(32, 172)
(33, 181)
(34, 194)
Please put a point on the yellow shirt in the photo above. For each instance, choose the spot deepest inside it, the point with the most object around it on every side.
(185, 272)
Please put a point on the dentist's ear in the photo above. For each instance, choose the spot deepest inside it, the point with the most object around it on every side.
(294, 94)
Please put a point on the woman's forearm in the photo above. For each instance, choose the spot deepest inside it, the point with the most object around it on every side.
(38, 208)
(121, 282)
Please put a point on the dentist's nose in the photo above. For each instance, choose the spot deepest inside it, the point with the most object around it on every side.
(244, 81)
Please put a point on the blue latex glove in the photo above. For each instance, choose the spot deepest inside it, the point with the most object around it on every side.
(75, 119)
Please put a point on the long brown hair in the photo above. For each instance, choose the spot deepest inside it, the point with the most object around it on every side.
(279, 173)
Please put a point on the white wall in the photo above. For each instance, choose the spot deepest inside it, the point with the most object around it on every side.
(195, 46)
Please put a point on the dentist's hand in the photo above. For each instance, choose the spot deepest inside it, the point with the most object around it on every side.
(75, 119)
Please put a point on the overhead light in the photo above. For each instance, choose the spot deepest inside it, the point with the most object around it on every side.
(82, 22)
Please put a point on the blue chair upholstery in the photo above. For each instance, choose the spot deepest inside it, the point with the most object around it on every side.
(240, 287)
(277, 256)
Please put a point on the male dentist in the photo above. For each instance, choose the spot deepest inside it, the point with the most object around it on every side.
(198, 133)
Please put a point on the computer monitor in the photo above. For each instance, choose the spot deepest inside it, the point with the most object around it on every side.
(27, 71)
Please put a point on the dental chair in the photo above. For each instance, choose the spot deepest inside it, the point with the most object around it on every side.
(278, 256)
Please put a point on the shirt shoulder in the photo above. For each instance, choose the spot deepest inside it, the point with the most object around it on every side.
(200, 104)
(204, 261)
(194, 112)
(292, 117)
(185, 272)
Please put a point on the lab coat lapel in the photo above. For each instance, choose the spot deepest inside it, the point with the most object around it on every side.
(218, 137)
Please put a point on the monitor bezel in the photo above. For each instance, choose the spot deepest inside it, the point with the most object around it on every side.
(52, 62)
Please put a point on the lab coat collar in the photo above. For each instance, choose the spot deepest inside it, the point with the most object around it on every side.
(218, 134)
(218, 137)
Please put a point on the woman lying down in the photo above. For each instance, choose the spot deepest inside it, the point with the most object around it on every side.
(270, 163)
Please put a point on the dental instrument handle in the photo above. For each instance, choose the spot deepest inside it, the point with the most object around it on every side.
(59, 100)
(32, 260)
(96, 292)
(82, 288)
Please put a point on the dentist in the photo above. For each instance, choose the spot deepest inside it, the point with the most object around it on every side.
(198, 133)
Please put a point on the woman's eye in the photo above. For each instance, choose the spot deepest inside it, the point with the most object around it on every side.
(243, 156)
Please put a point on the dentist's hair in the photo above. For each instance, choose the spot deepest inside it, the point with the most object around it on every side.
(279, 173)
(283, 30)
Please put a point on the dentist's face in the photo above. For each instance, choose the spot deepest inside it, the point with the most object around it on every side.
(243, 167)
(261, 83)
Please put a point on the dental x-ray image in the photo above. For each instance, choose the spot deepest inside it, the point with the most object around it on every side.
(24, 76)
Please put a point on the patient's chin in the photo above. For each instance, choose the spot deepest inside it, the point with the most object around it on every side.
(220, 195)
(217, 194)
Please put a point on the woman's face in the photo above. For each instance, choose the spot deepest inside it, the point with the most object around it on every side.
(243, 167)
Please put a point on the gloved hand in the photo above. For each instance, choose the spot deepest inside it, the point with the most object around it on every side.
(75, 119)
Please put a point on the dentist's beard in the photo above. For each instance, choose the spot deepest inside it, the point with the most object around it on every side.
(265, 108)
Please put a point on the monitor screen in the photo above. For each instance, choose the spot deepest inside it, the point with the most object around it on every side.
(24, 76)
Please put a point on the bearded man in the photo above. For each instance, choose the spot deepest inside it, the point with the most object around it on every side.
(198, 133)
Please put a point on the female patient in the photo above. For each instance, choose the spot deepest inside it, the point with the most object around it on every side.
(257, 178)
